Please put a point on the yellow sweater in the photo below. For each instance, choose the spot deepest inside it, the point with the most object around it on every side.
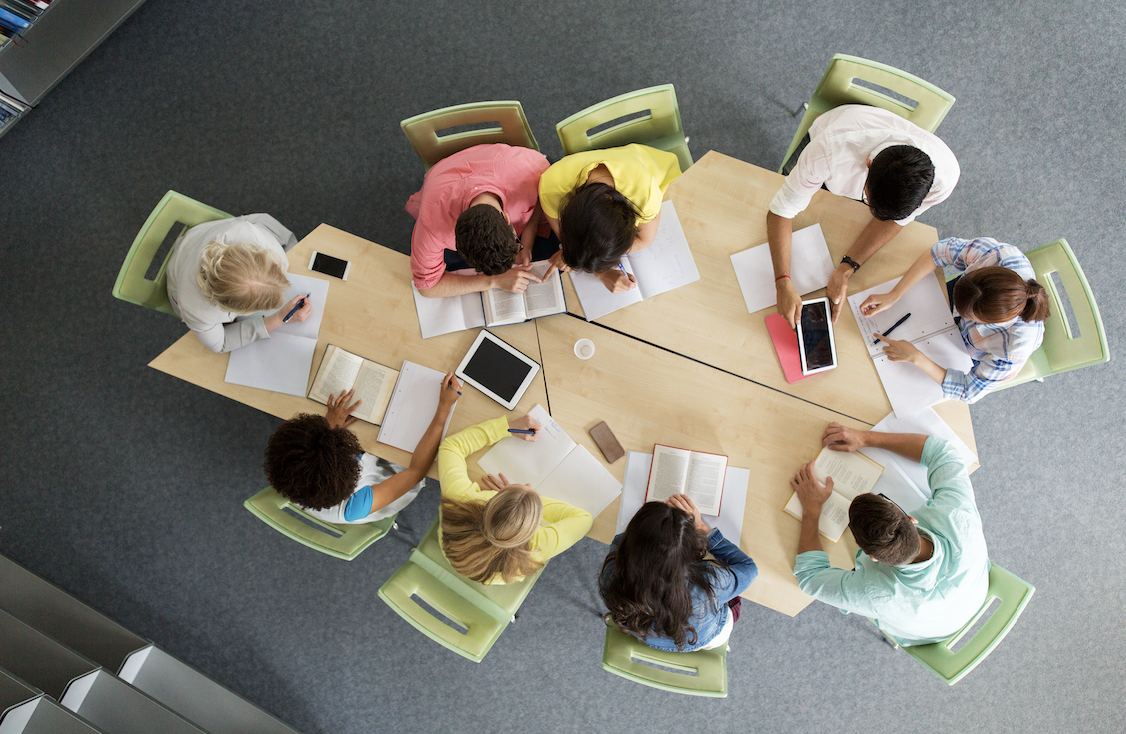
(641, 174)
(563, 524)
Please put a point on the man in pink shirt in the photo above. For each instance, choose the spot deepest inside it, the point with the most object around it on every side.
(483, 204)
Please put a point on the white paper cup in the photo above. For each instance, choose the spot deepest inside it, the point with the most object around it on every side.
(584, 349)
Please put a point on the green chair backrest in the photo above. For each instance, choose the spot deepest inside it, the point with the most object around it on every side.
(926, 107)
(432, 136)
(339, 541)
(650, 116)
(482, 611)
(132, 285)
(951, 666)
(699, 673)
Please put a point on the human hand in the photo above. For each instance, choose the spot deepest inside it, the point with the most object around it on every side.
(837, 288)
(811, 493)
(617, 281)
(843, 438)
(899, 350)
(789, 302)
(556, 263)
(877, 302)
(684, 502)
(525, 423)
(339, 413)
(451, 391)
(515, 279)
(495, 484)
(523, 251)
(276, 319)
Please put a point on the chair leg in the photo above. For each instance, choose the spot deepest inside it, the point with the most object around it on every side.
(799, 110)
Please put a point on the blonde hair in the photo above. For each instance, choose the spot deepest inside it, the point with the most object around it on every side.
(484, 539)
(241, 277)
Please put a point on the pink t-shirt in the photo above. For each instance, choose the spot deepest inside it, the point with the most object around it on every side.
(512, 173)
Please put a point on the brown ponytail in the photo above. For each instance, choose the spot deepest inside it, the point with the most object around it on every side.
(994, 295)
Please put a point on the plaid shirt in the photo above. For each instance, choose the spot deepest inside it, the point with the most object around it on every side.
(998, 350)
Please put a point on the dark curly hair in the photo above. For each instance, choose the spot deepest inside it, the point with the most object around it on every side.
(899, 178)
(312, 464)
(485, 239)
(883, 530)
(597, 225)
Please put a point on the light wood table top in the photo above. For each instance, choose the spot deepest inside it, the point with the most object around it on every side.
(722, 204)
(372, 314)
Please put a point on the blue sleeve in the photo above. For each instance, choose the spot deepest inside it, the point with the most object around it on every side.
(738, 563)
(359, 504)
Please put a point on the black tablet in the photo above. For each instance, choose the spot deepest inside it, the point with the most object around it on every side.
(497, 369)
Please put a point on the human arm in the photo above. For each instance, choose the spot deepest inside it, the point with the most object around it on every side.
(563, 526)
(453, 474)
(843, 438)
(779, 231)
(946, 470)
(898, 350)
(276, 319)
(646, 233)
(920, 269)
(514, 280)
(740, 565)
(874, 236)
(812, 494)
(528, 236)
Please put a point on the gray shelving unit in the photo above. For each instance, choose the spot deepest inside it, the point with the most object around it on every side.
(55, 43)
(38, 660)
(116, 707)
(43, 716)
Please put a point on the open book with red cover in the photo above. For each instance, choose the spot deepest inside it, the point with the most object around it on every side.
(694, 473)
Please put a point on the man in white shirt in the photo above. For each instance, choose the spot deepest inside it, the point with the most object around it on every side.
(866, 153)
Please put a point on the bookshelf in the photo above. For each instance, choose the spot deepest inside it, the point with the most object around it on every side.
(55, 40)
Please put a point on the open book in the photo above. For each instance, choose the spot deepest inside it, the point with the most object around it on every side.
(662, 266)
(694, 473)
(853, 474)
(931, 328)
(811, 268)
(437, 316)
(341, 371)
(412, 407)
(555, 466)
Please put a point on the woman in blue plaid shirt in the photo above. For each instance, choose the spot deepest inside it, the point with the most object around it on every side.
(1002, 310)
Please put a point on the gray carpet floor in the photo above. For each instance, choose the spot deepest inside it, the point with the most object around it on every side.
(124, 486)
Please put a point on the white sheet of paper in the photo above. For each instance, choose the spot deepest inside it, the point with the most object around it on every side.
(900, 488)
(437, 316)
(318, 288)
(529, 461)
(730, 520)
(926, 302)
(908, 388)
(811, 266)
(412, 407)
(596, 300)
(582, 481)
(667, 263)
(281, 363)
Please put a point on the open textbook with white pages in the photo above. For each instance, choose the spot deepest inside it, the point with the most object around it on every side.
(662, 266)
(930, 328)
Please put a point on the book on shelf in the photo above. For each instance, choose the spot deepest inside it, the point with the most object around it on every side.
(853, 474)
(438, 316)
(661, 267)
(697, 474)
(341, 371)
(21, 9)
(13, 21)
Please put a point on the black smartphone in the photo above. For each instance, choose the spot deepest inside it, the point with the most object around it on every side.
(329, 265)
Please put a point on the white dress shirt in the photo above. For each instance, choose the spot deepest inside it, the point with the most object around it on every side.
(841, 142)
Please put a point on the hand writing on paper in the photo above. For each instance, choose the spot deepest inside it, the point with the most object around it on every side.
(843, 438)
(684, 502)
(451, 391)
(339, 413)
(274, 320)
(526, 423)
(811, 493)
(617, 281)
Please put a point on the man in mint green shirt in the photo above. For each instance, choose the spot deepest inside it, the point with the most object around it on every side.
(920, 577)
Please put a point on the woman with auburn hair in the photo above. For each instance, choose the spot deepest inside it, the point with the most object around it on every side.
(506, 531)
(1001, 311)
(222, 271)
(661, 587)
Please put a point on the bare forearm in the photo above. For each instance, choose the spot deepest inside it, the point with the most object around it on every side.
(458, 285)
(934, 371)
(778, 233)
(427, 449)
(907, 445)
(810, 539)
(877, 234)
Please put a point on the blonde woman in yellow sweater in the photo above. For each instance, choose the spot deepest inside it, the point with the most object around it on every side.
(502, 532)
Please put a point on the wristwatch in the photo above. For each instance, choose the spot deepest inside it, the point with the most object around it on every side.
(846, 260)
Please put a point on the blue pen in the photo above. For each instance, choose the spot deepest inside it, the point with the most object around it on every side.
(295, 309)
(893, 327)
(522, 431)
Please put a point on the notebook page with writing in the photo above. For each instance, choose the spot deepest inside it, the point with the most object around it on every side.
(812, 266)
(529, 461)
(667, 263)
(412, 407)
(596, 300)
(926, 302)
(582, 481)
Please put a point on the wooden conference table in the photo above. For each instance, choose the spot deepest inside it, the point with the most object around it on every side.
(648, 394)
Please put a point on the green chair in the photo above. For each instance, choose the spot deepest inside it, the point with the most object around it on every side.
(699, 673)
(650, 116)
(132, 285)
(951, 666)
(482, 611)
(492, 122)
(927, 105)
(338, 541)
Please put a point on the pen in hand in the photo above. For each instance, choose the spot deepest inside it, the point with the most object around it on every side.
(893, 327)
(295, 309)
(523, 431)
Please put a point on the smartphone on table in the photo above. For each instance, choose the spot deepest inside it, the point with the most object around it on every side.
(329, 265)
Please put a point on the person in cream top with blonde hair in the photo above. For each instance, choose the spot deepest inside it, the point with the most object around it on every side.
(230, 268)
(506, 531)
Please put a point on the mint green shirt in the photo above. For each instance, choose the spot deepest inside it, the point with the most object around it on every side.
(919, 602)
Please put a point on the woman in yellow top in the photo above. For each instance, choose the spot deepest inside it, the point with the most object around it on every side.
(505, 532)
(605, 203)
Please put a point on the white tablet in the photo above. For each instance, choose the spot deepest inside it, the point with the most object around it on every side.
(497, 369)
(816, 346)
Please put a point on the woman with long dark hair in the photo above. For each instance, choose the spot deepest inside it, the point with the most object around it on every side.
(660, 585)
